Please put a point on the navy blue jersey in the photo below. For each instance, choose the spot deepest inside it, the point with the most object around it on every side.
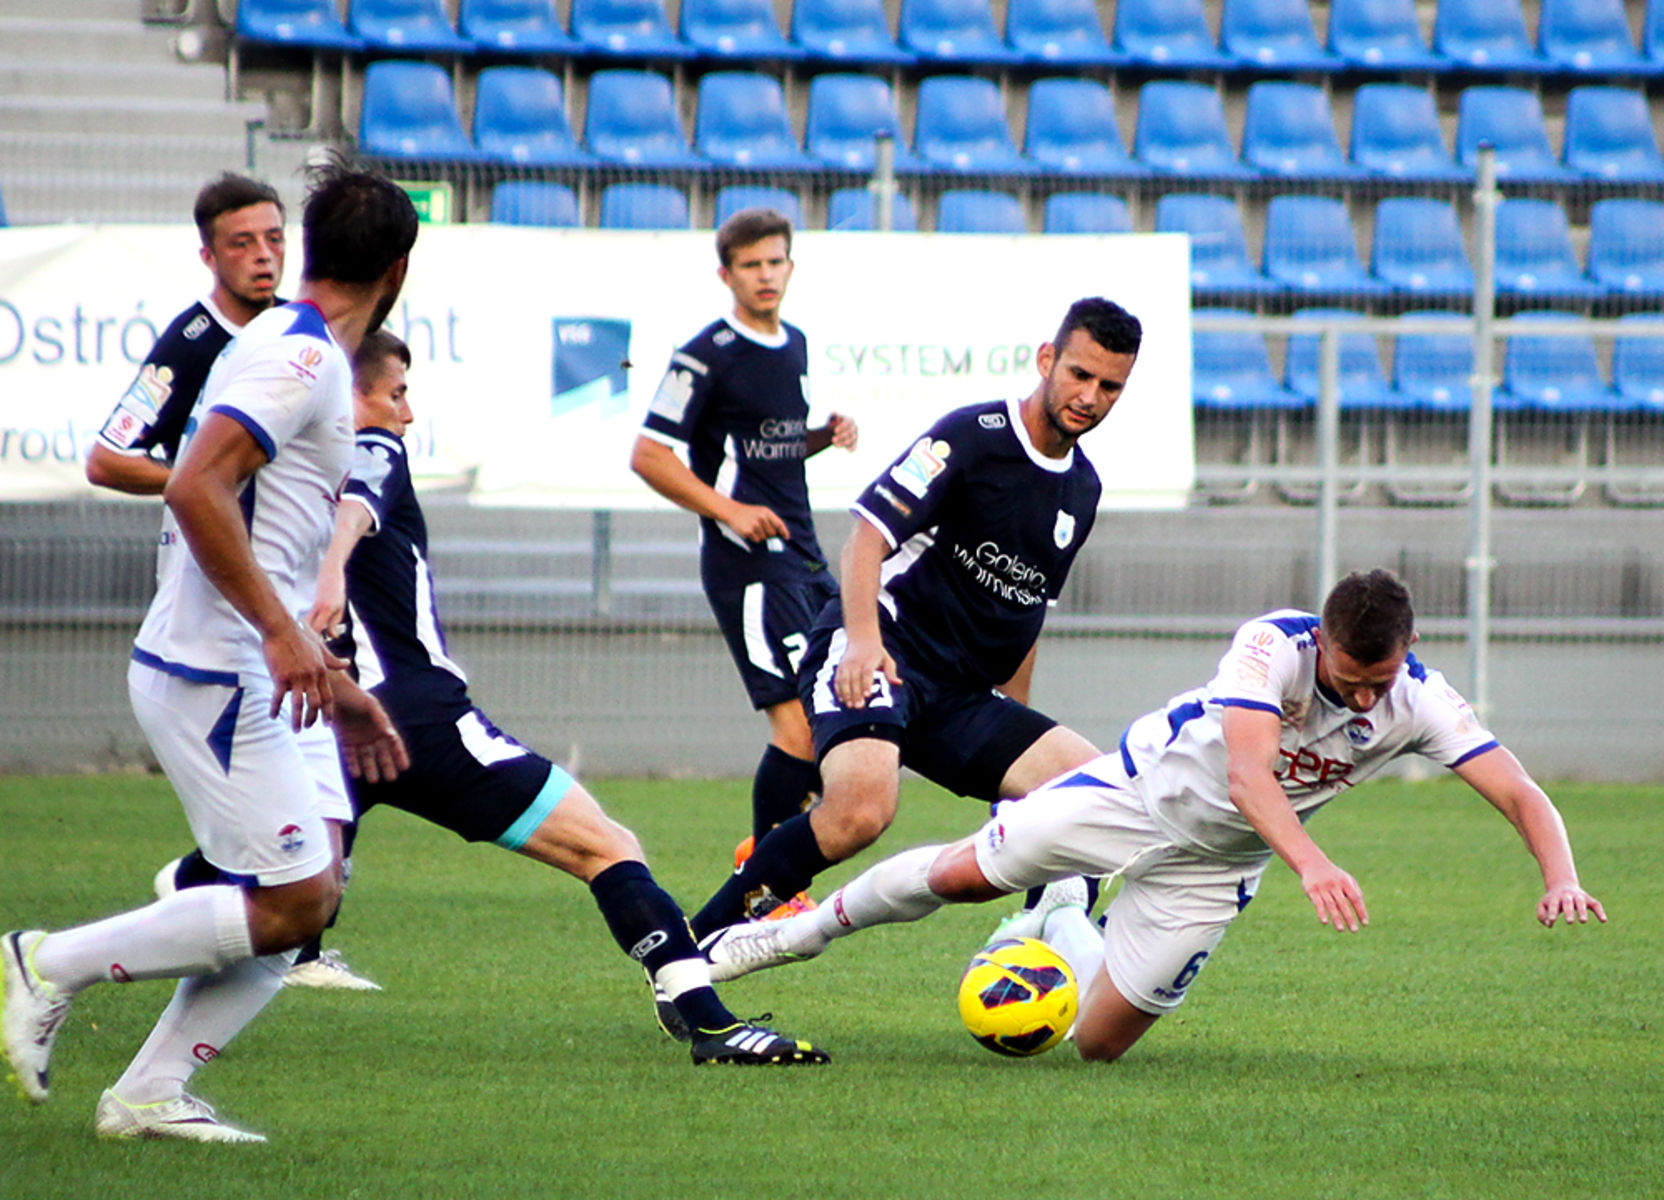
(739, 403)
(397, 643)
(151, 414)
(984, 529)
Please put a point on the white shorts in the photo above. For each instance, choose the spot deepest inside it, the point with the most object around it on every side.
(1174, 904)
(256, 793)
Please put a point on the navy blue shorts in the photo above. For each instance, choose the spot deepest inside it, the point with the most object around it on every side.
(471, 778)
(766, 626)
(963, 738)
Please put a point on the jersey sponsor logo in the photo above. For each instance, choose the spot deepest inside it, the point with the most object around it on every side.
(196, 328)
(1064, 531)
(925, 461)
(895, 501)
(1253, 670)
(307, 362)
(290, 839)
(150, 390)
(723, 337)
(991, 420)
(1003, 573)
(1359, 730)
(671, 400)
(123, 428)
(1307, 768)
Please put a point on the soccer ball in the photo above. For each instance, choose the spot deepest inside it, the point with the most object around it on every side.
(1018, 997)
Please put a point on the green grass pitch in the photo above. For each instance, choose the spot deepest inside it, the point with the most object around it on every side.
(1455, 1049)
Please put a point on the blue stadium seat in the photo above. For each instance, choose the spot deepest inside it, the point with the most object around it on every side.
(1086, 212)
(847, 31)
(631, 119)
(406, 27)
(1065, 33)
(730, 200)
(1435, 370)
(627, 29)
(1589, 36)
(742, 122)
(1609, 135)
(1289, 133)
(1510, 119)
(1274, 35)
(971, 211)
(1418, 247)
(1556, 373)
(855, 208)
(1381, 35)
(1072, 129)
(1534, 252)
(520, 117)
(409, 112)
(1395, 133)
(1362, 382)
(1626, 245)
(846, 115)
(1230, 370)
(1218, 245)
(1309, 246)
(308, 23)
(962, 126)
(1171, 34)
(744, 29)
(515, 27)
(1485, 35)
(532, 202)
(1638, 365)
(956, 32)
(1181, 131)
(643, 206)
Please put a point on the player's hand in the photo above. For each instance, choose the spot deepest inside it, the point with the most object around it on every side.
(330, 605)
(843, 430)
(756, 523)
(1336, 896)
(858, 671)
(1571, 902)
(371, 747)
(300, 664)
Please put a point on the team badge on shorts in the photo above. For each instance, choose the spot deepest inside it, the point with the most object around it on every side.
(1064, 532)
(289, 839)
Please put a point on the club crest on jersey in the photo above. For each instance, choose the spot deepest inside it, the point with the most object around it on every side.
(1359, 731)
(289, 839)
(991, 420)
(197, 327)
(1064, 531)
(925, 461)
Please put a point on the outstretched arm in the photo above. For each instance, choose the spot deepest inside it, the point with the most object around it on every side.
(671, 478)
(1498, 776)
(352, 522)
(1251, 747)
(135, 474)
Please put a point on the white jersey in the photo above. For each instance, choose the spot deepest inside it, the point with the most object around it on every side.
(287, 382)
(1176, 756)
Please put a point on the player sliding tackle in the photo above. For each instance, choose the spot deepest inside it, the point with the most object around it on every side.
(1190, 808)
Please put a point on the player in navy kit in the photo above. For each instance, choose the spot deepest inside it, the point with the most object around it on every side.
(467, 776)
(926, 658)
(735, 400)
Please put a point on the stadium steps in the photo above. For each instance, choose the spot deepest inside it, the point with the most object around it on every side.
(127, 115)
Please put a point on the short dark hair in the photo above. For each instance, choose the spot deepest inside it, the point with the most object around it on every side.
(370, 363)
(228, 192)
(1369, 615)
(356, 225)
(1105, 322)
(749, 226)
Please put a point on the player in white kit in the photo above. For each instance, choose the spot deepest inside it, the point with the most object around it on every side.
(1190, 808)
(251, 505)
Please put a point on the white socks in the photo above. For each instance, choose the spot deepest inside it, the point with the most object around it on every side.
(1073, 934)
(192, 932)
(206, 1012)
(897, 889)
(682, 976)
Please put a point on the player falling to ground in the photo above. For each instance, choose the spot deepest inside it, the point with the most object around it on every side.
(926, 660)
(735, 401)
(240, 222)
(251, 506)
(1190, 808)
(467, 776)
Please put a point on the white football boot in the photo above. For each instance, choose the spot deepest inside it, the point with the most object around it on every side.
(183, 1117)
(1068, 892)
(328, 970)
(34, 1011)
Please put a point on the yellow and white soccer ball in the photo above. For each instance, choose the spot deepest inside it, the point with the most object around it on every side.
(1018, 997)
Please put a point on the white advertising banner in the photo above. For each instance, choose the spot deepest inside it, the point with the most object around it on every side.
(537, 351)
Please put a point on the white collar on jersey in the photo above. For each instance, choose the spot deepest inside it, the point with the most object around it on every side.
(762, 339)
(1056, 466)
(226, 322)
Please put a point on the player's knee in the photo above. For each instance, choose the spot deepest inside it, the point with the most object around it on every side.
(859, 826)
(1098, 1051)
(289, 916)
